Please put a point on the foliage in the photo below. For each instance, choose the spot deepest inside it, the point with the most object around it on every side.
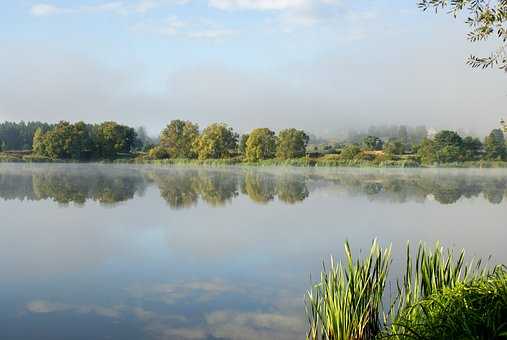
(80, 141)
(261, 144)
(486, 18)
(179, 137)
(394, 147)
(447, 138)
(111, 138)
(467, 310)
(446, 147)
(347, 301)
(291, 143)
(350, 151)
(19, 136)
(64, 141)
(242, 144)
(432, 271)
(372, 143)
(426, 152)
(158, 152)
(494, 146)
(472, 148)
(216, 141)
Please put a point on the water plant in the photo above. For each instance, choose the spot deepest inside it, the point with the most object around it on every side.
(476, 309)
(348, 301)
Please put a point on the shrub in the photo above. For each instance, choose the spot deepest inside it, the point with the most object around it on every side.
(158, 152)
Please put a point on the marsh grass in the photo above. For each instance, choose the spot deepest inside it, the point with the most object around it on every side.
(476, 309)
(347, 302)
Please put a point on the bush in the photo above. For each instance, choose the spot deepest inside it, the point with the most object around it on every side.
(350, 151)
(158, 152)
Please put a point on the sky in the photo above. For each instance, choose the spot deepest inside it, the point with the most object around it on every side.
(321, 65)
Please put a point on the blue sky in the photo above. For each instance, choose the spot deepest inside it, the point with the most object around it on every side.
(324, 65)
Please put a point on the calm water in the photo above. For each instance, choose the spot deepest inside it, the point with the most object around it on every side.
(131, 252)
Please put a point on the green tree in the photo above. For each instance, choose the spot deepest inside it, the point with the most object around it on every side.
(494, 146)
(291, 143)
(112, 138)
(242, 144)
(350, 152)
(426, 151)
(447, 138)
(216, 141)
(158, 152)
(261, 144)
(448, 147)
(372, 143)
(19, 136)
(179, 137)
(486, 18)
(472, 148)
(39, 141)
(394, 147)
(64, 141)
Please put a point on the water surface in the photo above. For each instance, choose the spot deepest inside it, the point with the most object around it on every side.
(144, 252)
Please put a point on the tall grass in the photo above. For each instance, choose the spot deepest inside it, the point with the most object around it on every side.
(476, 309)
(433, 270)
(347, 302)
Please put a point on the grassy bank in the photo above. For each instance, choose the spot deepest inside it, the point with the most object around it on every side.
(325, 161)
(439, 297)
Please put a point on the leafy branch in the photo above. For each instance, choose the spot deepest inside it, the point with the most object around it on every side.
(486, 19)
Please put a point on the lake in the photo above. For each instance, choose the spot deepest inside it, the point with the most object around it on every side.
(91, 251)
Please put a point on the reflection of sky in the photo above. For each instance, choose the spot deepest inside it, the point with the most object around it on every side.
(239, 270)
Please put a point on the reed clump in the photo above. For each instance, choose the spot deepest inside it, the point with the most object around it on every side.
(350, 302)
(347, 302)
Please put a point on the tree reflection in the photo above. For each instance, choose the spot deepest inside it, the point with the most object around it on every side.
(179, 190)
(184, 187)
(217, 188)
(260, 188)
(292, 189)
(65, 187)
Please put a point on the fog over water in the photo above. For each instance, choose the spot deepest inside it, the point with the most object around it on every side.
(173, 252)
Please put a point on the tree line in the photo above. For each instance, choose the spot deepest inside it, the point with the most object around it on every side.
(184, 140)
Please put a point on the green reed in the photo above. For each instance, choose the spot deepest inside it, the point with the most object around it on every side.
(347, 302)
(474, 309)
(432, 271)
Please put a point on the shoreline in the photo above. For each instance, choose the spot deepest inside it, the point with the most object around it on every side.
(298, 162)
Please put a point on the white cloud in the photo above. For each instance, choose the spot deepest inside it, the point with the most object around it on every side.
(46, 9)
(117, 7)
(289, 14)
(258, 4)
(174, 26)
(169, 27)
(254, 325)
(212, 34)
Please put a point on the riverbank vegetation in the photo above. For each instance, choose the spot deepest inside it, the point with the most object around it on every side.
(439, 297)
(182, 142)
